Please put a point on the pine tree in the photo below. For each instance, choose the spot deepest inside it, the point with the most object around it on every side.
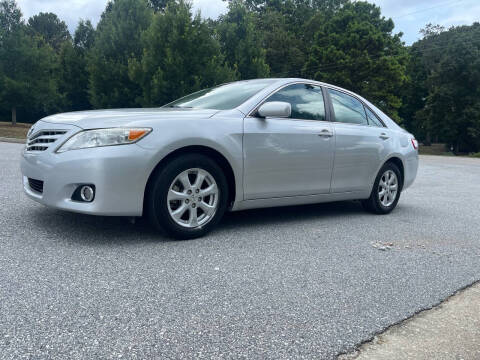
(241, 42)
(117, 39)
(180, 56)
(356, 49)
(27, 67)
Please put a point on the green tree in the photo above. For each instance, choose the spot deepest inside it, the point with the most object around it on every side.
(159, 5)
(282, 26)
(414, 94)
(241, 43)
(84, 35)
(10, 18)
(50, 28)
(296, 13)
(73, 73)
(27, 67)
(180, 56)
(415, 91)
(322, 5)
(449, 62)
(117, 39)
(284, 51)
(355, 49)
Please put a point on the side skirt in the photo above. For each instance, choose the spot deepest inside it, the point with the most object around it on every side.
(299, 200)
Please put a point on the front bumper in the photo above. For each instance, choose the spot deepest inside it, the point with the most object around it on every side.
(119, 173)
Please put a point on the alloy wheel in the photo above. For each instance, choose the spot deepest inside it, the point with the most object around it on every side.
(193, 198)
(388, 188)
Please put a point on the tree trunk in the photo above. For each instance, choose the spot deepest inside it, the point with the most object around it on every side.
(428, 139)
(14, 116)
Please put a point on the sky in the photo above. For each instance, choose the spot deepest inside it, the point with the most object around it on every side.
(409, 15)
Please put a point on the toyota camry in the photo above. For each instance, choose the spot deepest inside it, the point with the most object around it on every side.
(242, 145)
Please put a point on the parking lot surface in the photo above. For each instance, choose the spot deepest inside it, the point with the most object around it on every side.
(300, 282)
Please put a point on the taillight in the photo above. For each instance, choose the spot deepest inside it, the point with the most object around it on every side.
(415, 144)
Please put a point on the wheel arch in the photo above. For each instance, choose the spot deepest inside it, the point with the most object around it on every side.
(214, 154)
(397, 161)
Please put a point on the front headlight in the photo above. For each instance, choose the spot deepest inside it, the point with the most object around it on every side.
(104, 137)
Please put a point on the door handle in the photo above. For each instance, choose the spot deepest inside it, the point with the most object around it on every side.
(384, 136)
(326, 133)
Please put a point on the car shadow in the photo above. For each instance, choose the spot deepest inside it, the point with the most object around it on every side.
(282, 215)
(93, 230)
(98, 230)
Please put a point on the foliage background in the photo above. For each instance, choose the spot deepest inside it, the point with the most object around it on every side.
(149, 52)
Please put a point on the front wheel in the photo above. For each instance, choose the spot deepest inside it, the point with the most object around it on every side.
(386, 190)
(188, 197)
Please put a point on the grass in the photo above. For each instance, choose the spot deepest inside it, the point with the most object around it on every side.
(434, 149)
(440, 149)
(18, 131)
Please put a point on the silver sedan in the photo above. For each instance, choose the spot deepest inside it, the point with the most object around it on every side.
(243, 145)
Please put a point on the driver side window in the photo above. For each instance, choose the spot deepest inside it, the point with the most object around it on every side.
(306, 100)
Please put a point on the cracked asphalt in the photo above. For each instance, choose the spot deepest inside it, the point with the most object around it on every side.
(300, 282)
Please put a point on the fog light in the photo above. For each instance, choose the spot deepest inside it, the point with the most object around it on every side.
(87, 193)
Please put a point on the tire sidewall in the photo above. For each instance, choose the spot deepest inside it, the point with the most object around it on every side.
(158, 209)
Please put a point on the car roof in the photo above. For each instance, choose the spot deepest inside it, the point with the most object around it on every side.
(284, 81)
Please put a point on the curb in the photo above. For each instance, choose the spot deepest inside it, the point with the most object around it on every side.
(12, 140)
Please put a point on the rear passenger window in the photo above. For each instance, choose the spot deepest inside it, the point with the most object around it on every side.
(372, 118)
(347, 109)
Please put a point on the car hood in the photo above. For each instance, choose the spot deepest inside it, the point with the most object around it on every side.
(125, 117)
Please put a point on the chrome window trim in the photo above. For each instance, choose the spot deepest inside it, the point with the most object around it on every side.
(328, 114)
(375, 114)
(361, 102)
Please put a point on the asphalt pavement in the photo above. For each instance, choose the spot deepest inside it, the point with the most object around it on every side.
(299, 282)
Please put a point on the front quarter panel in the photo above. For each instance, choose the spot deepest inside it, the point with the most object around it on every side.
(223, 132)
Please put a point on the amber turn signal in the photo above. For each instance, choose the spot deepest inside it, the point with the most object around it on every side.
(136, 134)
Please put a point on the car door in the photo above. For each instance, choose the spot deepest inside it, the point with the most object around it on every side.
(360, 143)
(289, 156)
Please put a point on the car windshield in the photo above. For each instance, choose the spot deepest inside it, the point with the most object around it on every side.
(223, 97)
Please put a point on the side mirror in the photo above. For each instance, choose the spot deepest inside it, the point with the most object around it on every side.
(277, 109)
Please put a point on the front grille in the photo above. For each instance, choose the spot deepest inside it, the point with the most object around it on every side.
(36, 185)
(41, 140)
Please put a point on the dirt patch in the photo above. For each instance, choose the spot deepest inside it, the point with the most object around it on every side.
(18, 131)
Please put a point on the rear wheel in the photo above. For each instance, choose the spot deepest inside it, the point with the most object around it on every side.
(188, 197)
(386, 190)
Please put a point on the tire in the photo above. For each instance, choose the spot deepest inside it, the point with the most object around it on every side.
(385, 204)
(180, 210)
